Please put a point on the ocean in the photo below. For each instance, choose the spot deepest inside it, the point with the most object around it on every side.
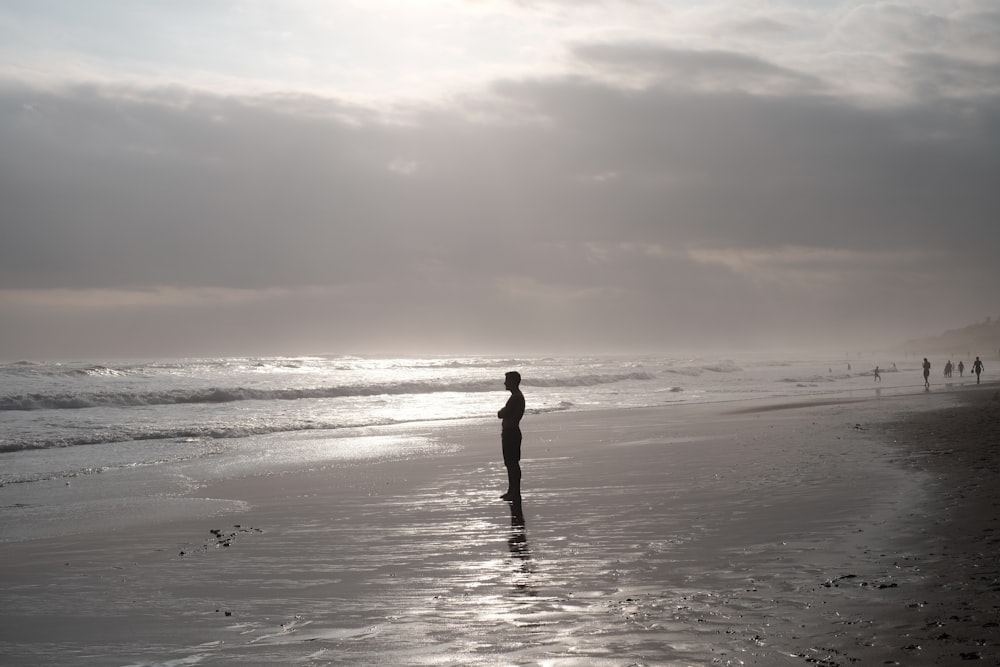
(154, 430)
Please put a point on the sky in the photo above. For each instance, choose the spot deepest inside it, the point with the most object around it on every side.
(254, 177)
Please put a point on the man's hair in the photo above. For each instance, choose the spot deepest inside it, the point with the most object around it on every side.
(515, 376)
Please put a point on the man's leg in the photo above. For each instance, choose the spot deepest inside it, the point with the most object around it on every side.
(512, 461)
(513, 478)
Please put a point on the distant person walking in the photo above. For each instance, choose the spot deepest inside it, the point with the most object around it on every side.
(977, 368)
(961, 368)
(878, 378)
(510, 434)
(927, 374)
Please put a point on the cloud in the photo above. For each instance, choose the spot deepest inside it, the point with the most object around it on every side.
(816, 272)
(933, 75)
(958, 28)
(108, 299)
(173, 189)
(920, 51)
(700, 70)
(653, 192)
(760, 26)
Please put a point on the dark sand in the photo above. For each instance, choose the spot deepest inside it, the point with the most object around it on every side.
(855, 532)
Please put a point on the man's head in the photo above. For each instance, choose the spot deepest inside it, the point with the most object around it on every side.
(512, 380)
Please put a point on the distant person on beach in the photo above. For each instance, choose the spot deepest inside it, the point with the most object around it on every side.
(977, 368)
(961, 368)
(947, 369)
(927, 374)
(510, 434)
(878, 378)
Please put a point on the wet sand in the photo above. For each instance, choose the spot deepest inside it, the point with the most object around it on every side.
(853, 532)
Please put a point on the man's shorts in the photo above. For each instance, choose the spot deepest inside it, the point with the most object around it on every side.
(511, 441)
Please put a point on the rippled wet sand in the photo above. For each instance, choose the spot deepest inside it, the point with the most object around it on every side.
(650, 537)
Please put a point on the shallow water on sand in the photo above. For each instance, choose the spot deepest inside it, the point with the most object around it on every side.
(716, 549)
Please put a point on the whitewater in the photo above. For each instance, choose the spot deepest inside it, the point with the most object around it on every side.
(67, 418)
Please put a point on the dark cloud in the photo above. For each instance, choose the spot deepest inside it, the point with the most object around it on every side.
(935, 75)
(725, 168)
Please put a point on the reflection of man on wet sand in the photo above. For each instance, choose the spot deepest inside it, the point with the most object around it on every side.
(518, 545)
(510, 434)
(518, 541)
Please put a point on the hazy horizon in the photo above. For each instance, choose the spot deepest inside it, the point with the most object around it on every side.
(634, 176)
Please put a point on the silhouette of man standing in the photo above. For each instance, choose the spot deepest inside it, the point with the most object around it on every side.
(927, 373)
(510, 434)
(977, 368)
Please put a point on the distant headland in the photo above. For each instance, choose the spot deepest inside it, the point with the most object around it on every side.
(982, 339)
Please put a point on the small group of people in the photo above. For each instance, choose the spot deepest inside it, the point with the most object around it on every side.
(511, 414)
(949, 368)
(977, 368)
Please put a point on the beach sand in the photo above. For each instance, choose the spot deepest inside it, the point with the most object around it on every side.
(856, 531)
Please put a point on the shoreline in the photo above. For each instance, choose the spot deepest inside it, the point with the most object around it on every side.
(784, 534)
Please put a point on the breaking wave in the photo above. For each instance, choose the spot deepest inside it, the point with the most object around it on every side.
(130, 433)
(813, 380)
(724, 366)
(77, 401)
